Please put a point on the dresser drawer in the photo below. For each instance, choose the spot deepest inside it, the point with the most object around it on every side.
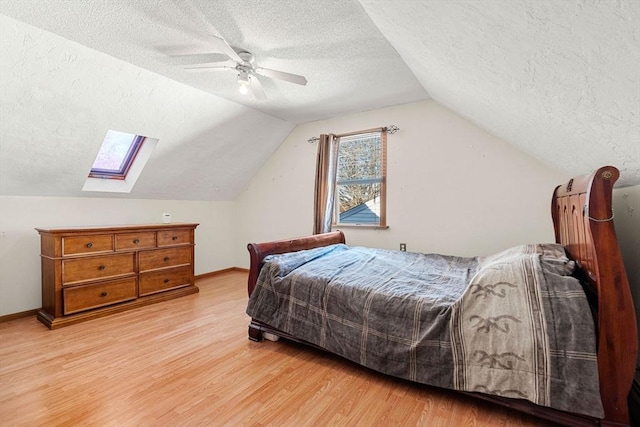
(174, 237)
(162, 258)
(89, 272)
(91, 244)
(126, 241)
(97, 267)
(80, 298)
(159, 281)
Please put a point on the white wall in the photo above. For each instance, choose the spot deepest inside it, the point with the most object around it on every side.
(626, 206)
(20, 288)
(452, 187)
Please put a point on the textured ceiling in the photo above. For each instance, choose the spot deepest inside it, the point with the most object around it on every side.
(349, 65)
(58, 99)
(560, 79)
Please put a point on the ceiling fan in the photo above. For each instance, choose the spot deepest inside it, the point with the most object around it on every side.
(242, 61)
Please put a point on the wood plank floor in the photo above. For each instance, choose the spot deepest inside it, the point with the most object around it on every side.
(188, 362)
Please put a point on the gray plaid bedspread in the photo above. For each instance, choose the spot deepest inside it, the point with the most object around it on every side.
(400, 312)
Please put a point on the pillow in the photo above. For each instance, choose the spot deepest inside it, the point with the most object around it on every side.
(553, 257)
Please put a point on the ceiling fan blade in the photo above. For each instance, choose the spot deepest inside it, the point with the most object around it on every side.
(212, 66)
(223, 64)
(257, 89)
(185, 50)
(226, 48)
(281, 75)
(214, 40)
(194, 15)
(213, 44)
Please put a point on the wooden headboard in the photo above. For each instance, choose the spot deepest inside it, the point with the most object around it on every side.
(583, 221)
(258, 251)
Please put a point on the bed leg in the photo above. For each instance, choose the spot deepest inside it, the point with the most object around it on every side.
(255, 332)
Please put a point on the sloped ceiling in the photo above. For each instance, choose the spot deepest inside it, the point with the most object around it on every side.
(102, 64)
(557, 78)
(58, 99)
(560, 79)
(348, 63)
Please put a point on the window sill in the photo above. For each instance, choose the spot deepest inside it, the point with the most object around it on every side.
(378, 227)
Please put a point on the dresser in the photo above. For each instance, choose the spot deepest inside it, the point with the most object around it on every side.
(89, 272)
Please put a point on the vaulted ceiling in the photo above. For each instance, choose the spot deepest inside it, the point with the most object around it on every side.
(559, 79)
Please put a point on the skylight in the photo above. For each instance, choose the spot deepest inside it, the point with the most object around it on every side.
(119, 163)
(116, 155)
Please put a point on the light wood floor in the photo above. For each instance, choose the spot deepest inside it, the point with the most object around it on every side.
(188, 362)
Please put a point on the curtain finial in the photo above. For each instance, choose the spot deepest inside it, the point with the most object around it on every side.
(391, 129)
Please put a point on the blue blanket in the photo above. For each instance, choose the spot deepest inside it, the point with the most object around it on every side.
(392, 311)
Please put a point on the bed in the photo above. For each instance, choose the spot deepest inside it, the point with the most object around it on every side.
(569, 303)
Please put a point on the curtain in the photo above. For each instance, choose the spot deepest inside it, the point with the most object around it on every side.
(325, 183)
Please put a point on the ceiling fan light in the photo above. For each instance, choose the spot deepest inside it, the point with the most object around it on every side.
(243, 83)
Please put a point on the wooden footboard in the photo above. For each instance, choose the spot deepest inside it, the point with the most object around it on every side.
(583, 221)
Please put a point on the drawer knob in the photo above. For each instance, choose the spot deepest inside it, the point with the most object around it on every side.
(136, 241)
(166, 280)
(174, 238)
(89, 244)
(166, 258)
(104, 294)
(102, 267)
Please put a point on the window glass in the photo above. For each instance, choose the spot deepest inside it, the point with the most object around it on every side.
(116, 154)
(360, 180)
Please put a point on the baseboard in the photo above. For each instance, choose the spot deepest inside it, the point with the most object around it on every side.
(219, 272)
(14, 316)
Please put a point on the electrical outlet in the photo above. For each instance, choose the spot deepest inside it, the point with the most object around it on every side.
(403, 247)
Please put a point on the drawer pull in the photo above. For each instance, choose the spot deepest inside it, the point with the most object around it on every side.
(166, 280)
(104, 294)
(89, 244)
(174, 238)
(136, 241)
(166, 258)
(102, 267)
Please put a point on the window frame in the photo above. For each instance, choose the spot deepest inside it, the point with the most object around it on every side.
(382, 180)
(129, 158)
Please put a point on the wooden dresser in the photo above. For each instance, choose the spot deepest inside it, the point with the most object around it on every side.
(94, 271)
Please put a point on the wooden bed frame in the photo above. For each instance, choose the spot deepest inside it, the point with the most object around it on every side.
(583, 221)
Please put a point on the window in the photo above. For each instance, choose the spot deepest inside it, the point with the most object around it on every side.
(360, 192)
(116, 155)
(119, 163)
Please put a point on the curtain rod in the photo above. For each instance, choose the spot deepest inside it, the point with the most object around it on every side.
(391, 129)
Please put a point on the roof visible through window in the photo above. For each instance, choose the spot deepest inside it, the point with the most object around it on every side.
(360, 180)
(116, 154)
